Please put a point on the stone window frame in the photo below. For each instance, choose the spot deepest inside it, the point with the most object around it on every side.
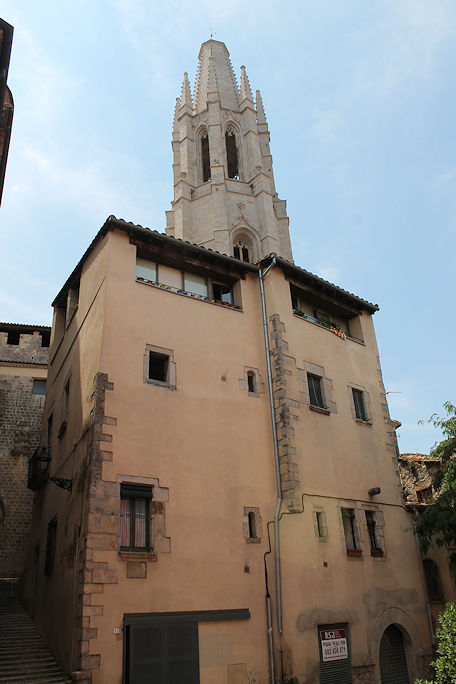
(158, 541)
(170, 382)
(379, 530)
(244, 383)
(326, 388)
(320, 529)
(367, 404)
(133, 493)
(258, 525)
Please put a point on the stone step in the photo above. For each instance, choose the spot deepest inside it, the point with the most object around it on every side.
(24, 655)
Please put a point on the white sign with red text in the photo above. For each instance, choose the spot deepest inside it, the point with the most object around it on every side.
(333, 645)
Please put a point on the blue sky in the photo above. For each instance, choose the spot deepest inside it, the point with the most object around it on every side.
(360, 100)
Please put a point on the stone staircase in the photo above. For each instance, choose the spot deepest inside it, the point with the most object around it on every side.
(24, 656)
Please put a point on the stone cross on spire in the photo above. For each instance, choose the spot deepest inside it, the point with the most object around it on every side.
(224, 191)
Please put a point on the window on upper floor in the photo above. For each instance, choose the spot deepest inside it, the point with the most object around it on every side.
(359, 404)
(252, 525)
(205, 157)
(195, 283)
(51, 542)
(241, 251)
(159, 367)
(13, 337)
(45, 338)
(320, 526)
(65, 405)
(135, 517)
(222, 293)
(351, 532)
(329, 315)
(231, 153)
(373, 533)
(315, 391)
(39, 387)
(145, 269)
(72, 304)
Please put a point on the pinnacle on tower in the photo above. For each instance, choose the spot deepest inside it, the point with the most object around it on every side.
(246, 93)
(261, 116)
(186, 96)
(176, 110)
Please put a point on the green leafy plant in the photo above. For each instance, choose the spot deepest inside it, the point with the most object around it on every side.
(437, 523)
(444, 665)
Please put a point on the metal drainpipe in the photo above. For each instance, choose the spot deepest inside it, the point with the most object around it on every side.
(278, 582)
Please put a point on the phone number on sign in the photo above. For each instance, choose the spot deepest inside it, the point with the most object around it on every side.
(334, 650)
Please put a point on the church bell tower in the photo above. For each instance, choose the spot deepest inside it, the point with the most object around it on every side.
(224, 191)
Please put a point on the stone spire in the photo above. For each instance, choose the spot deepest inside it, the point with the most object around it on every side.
(224, 76)
(186, 96)
(261, 116)
(246, 93)
(224, 190)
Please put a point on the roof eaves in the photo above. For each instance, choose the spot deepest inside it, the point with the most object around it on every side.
(300, 272)
(112, 222)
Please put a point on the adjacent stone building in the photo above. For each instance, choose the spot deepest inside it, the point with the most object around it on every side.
(230, 509)
(24, 352)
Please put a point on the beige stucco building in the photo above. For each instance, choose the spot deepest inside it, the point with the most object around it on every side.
(235, 512)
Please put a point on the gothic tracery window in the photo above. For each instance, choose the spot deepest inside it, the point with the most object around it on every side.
(241, 250)
(205, 157)
(231, 153)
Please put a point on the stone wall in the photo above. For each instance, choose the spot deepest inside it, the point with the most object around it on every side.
(20, 427)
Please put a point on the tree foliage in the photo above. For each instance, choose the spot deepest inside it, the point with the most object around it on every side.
(444, 665)
(437, 523)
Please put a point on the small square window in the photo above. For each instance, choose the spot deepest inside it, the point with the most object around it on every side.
(360, 407)
(159, 367)
(315, 391)
(39, 387)
(51, 542)
(135, 517)
(13, 337)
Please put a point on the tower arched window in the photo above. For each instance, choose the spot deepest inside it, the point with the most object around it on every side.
(205, 157)
(242, 250)
(232, 159)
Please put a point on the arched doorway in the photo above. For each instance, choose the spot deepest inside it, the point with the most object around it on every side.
(393, 663)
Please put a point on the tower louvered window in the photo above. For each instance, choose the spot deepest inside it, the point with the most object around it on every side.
(231, 154)
(205, 157)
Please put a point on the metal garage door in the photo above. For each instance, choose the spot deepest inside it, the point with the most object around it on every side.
(164, 653)
(393, 664)
(335, 657)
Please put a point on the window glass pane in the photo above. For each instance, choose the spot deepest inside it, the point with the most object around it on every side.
(39, 387)
(315, 393)
(125, 522)
(146, 269)
(140, 523)
(359, 405)
(195, 283)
